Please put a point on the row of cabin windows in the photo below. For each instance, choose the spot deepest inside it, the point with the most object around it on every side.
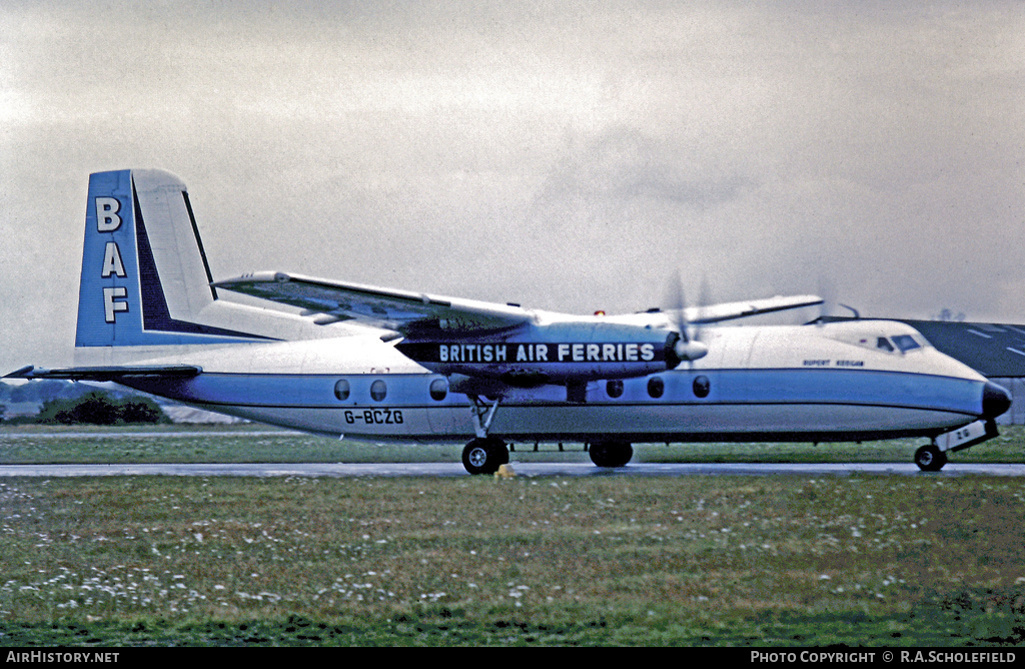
(439, 388)
(379, 390)
(657, 387)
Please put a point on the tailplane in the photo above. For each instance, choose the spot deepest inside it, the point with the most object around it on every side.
(145, 279)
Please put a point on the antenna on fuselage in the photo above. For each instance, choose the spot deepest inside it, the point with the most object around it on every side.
(852, 310)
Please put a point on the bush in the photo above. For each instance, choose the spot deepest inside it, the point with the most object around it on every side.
(98, 408)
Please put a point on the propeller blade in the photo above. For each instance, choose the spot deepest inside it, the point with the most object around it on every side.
(687, 347)
(704, 299)
(678, 307)
(828, 293)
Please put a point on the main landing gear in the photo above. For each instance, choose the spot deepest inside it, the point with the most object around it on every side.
(484, 454)
(611, 453)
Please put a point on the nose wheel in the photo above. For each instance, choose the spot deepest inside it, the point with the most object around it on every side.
(930, 458)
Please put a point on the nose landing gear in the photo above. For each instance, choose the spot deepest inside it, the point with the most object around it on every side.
(932, 457)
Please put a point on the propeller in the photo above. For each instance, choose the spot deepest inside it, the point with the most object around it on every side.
(688, 347)
(828, 308)
(828, 294)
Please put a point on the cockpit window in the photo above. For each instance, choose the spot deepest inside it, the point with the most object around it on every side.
(906, 343)
(903, 343)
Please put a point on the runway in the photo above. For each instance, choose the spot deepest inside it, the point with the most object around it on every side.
(524, 469)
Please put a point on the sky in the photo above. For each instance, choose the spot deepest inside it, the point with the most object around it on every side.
(569, 156)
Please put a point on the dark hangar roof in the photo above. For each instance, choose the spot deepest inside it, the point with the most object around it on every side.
(995, 350)
(992, 349)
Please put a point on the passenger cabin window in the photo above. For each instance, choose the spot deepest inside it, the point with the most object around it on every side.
(702, 386)
(439, 389)
(378, 390)
(342, 390)
(614, 388)
(656, 386)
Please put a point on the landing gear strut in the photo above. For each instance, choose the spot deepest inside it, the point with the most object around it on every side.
(484, 454)
(932, 457)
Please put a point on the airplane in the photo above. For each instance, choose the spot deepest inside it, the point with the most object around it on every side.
(346, 359)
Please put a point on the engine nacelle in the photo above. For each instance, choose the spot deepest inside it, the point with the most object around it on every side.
(557, 353)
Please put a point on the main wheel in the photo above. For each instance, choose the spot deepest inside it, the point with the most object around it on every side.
(930, 458)
(611, 453)
(485, 456)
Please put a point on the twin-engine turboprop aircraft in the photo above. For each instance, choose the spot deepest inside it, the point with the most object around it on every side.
(428, 368)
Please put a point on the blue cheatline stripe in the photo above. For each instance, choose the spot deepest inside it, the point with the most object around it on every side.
(727, 387)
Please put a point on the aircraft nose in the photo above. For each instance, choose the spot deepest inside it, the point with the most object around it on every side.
(995, 400)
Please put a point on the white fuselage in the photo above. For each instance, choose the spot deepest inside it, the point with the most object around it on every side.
(834, 381)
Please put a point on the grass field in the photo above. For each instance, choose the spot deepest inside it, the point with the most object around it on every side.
(765, 561)
(252, 443)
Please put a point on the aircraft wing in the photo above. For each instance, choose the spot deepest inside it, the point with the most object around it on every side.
(106, 372)
(727, 311)
(717, 313)
(419, 313)
(399, 310)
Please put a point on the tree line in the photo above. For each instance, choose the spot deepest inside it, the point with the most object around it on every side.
(96, 408)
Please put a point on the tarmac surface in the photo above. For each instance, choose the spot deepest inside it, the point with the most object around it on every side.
(525, 469)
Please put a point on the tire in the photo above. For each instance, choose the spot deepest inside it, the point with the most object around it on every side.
(485, 456)
(611, 453)
(930, 458)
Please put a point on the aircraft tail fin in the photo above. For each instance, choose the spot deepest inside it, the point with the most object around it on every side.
(145, 278)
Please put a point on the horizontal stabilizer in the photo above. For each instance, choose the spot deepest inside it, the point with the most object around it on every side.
(106, 372)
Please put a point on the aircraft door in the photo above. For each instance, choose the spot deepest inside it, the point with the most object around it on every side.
(443, 408)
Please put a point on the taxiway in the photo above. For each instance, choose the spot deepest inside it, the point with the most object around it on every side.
(523, 469)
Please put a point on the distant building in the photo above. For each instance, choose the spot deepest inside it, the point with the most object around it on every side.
(997, 351)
